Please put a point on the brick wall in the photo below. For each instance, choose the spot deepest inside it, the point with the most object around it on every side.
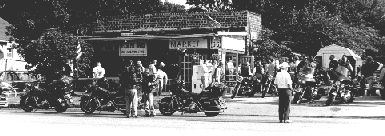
(176, 21)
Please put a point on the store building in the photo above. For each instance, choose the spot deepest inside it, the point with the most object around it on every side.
(180, 40)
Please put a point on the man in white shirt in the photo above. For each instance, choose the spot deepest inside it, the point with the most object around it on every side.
(98, 71)
(205, 75)
(153, 68)
(284, 84)
(162, 77)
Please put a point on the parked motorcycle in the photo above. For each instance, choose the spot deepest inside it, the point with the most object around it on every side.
(306, 89)
(210, 102)
(103, 95)
(269, 87)
(246, 86)
(56, 95)
(342, 90)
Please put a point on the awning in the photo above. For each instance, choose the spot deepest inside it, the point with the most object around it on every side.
(146, 37)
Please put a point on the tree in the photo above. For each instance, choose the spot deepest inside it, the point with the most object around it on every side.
(267, 48)
(49, 53)
(46, 29)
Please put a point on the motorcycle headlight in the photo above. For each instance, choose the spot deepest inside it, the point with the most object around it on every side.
(338, 83)
(342, 85)
(170, 93)
(303, 82)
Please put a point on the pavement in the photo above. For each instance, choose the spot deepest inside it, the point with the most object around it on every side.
(255, 116)
(362, 107)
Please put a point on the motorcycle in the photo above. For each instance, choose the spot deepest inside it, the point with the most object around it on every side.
(269, 87)
(246, 86)
(99, 98)
(56, 95)
(306, 89)
(210, 102)
(343, 91)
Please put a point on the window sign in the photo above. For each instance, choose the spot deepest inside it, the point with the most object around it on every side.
(188, 43)
(133, 48)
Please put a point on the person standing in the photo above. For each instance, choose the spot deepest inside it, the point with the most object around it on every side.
(367, 71)
(205, 75)
(271, 68)
(344, 66)
(258, 78)
(162, 78)
(333, 64)
(149, 85)
(98, 71)
(218, 73)
(152, 67)
(284, 83)
(129, 82)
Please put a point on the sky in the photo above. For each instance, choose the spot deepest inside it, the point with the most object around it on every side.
(181, 2)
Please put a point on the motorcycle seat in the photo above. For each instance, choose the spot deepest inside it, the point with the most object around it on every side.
(346, 82)
(311, 83)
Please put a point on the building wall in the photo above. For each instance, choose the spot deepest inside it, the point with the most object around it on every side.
(9, 58)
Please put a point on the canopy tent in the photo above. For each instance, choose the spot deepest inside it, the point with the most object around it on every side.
(338, 51)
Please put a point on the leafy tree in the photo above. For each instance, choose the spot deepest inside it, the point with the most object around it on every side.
(49, 53)
(268, 48)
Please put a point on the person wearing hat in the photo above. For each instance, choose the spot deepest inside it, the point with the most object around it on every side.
(149, 85)
(284, 83)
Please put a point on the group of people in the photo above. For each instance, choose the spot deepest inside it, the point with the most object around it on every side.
(136, 80)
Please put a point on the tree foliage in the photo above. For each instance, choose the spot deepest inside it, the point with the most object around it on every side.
(49, 53)
(46, 30)
(308, 25)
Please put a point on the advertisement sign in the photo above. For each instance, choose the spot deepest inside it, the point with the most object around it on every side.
(216, 43)
(133, 48)
(188, 43)
(233, 44)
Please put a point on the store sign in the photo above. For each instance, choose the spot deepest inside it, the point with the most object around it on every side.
(188, 43)
(216, 43)
(233, 44)
(133, 48)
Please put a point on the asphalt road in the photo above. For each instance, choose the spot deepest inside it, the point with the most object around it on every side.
(254, 116)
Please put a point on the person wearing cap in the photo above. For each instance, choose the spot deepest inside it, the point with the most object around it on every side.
(149, 85)
(129, 82)
(162, 78)
(284, 83)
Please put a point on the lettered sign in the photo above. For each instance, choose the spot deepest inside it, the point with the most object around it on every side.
(133, 48)
(188, 43)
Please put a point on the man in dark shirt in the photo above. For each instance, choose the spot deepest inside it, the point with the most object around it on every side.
(129, 83)
(333, 64)
(367, 71)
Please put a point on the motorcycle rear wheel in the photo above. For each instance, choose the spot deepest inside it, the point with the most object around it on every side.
(211, 114)
(89, 106)
(24, 104)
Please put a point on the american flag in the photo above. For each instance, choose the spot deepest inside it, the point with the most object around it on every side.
(79, 51)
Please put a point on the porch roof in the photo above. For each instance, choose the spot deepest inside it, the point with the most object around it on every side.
(146, 37)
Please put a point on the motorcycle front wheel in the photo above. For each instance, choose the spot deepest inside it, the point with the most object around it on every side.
(61, 108)
(297, 98)
(88, 106)
(25, 103)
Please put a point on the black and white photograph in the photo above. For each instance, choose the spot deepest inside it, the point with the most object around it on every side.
(192, 67)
